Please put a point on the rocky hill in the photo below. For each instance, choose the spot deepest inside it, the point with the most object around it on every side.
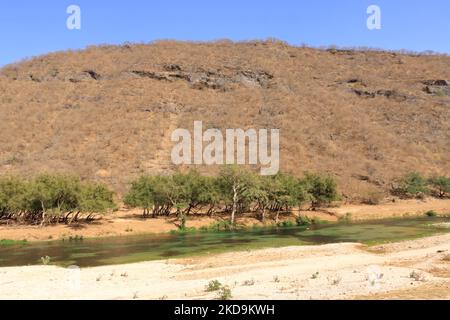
(107, 112)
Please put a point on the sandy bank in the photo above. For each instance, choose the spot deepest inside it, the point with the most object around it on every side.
(335, 271)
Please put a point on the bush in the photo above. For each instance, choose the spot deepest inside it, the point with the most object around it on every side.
(431, 213)
(286, 224)
(213, 285)
(412, 185)
(224, 293)
(321, 189)
(303, 221)
(440, 186)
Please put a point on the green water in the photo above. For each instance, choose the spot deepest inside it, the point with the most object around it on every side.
(127, 249)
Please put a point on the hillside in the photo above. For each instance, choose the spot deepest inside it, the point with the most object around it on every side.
(106, 113)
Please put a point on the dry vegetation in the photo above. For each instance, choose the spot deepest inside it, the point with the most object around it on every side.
(106, 113)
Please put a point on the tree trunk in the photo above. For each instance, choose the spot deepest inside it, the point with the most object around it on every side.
(235, 200)
(277, 216)
(263, 215)
(43, 214)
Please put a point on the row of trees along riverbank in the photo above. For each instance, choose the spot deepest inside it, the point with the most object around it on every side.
(235, 190)
(51, 199)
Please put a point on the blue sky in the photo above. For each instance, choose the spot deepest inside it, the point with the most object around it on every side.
(29, 28)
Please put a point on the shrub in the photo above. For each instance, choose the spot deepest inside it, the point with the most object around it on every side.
(286, 224)
(412, 185)
(303, 221)
(440, 186)
(322, 190)
(431, 213)
(224, 293)
(213, 285)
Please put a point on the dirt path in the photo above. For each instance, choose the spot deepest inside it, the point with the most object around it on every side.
(411, 269)
(130, 222)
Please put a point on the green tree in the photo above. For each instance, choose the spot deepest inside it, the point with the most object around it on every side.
(12, 196)
(143, 194)
(234, 183)
(285, 193)
(53, 195)
(321, 189)
(95, 198)
(412, 185)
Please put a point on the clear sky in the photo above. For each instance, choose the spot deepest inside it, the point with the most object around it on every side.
(29, 27)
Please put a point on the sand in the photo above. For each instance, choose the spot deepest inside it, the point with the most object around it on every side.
(335, 271)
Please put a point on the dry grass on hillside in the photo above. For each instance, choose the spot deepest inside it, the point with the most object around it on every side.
(107, 112)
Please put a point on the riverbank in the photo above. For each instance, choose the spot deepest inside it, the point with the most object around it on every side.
(416, 269)
(130, 222)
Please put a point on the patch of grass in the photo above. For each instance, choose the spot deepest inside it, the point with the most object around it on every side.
(347, 218)
(5, 242)
(185, 230)
(76, 238)
(303, 221)
(287, 224)
(315, 275)
(317, 221)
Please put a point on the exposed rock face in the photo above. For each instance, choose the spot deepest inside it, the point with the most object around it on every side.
(443, 83)
(437, 87)
(85, 76)
(209, 79)
(390, 94)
